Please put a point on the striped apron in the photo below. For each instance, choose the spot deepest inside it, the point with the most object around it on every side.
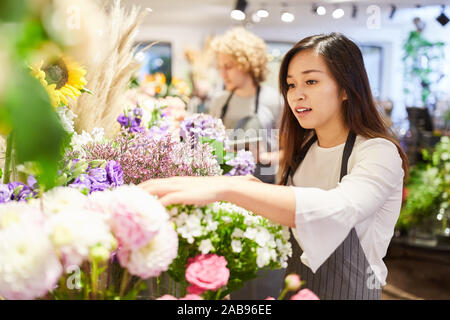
(346, 274)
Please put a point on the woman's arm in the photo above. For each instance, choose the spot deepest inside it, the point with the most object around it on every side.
(276, 203)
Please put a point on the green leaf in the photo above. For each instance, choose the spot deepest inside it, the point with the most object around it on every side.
(12, 10)
(38, 133)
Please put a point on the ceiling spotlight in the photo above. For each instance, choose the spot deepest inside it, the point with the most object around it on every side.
(338, 13)
(286, 16)
(393, 9)
(321, 10)
(262, 13)
(239, 11)
(442, 19)
(354, 10)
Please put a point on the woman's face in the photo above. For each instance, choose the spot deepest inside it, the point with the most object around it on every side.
(313, 94)
(233, 76)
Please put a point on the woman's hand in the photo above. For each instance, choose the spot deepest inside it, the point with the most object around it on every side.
(188, 190)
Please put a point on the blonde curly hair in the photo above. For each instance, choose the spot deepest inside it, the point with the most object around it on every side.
(246, 48)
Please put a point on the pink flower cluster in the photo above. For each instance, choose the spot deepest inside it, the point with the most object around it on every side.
(145, 157)
(147, 240)
(206, 272)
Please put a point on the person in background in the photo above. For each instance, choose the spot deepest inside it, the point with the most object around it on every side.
(246, 103)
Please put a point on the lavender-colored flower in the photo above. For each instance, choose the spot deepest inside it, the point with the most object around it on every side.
(202, 125)
(242, 164)
(137, 112)
(115, 173)
(82, 182)
(98, 186)
(136, 125)
(32, 182)
(5, 193)
(98, 174)
(21, 192)
(123, 120)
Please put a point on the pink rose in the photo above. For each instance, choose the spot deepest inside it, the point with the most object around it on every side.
(167, 297)
(207, 272)
(305, 294)
(292, 282)
(193, 289)
(192, 297)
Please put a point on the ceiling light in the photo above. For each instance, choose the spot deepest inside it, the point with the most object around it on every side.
(239, 11)
(262, 13)
(321, 10)
(338, 13)
(286, 16)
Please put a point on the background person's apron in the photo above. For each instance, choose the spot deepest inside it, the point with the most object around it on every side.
(346, 274)
(251, 122)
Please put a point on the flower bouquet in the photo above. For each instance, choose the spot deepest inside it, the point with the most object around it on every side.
(246, 242)
(64, 245)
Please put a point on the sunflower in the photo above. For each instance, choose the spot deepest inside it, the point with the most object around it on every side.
(63, 78)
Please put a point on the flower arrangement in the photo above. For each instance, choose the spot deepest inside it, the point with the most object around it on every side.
(246, 242)
(143, 156)
(74, 230)
(63, 245)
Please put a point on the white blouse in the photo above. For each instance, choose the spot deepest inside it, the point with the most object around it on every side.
(368, 198)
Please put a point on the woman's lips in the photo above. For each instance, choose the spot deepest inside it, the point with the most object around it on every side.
(302, 111)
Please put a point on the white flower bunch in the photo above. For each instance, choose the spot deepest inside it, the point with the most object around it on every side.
(248, 242)
(79, 140)
(43, 241)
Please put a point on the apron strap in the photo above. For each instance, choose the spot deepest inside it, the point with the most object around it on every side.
(225, 107)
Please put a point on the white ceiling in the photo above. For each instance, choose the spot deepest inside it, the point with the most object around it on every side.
(216, 12)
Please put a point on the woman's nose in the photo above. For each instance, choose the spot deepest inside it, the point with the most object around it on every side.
(299, 94)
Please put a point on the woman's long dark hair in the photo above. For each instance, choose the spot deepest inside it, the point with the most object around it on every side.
(345, 62)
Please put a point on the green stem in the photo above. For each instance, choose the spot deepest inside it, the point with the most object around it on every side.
(218, 294)
(283, 293)
(124, 283)
(157, 286)
(8, 158)
(94, 279)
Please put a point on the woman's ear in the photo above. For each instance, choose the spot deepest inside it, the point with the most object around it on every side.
(344, 95)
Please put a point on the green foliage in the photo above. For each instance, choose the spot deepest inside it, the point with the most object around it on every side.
(36, 133)
(419, 53)
(428, 188)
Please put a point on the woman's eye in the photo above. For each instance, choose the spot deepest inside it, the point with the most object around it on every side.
(311, 82)
(290, 85)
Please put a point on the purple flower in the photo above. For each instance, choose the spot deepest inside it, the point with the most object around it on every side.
(99, 179)
(123, 120)
(137, 112)
(115, 173)
(21, 192)
(242, 164)
(202, 125)
(32, 182)
(135, 125)
(5, 193)
(82, 182)
(99, 186)
(98, 174)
